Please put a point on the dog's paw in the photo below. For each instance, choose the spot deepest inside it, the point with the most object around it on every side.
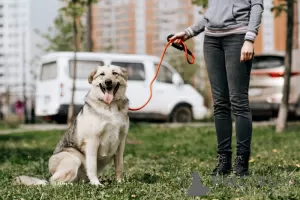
(119, 180)
(97, 183)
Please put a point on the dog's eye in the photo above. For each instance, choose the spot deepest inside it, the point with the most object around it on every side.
(102, 74)
(115, 73)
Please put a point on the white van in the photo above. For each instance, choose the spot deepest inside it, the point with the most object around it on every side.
(172, 100)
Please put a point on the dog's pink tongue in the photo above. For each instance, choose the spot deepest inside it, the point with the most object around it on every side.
(108, 96)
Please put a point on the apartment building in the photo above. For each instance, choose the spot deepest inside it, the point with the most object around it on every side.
(272, 33)
(138, 26)
(14, 47)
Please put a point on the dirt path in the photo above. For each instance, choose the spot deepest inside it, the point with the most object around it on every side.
(46, 127)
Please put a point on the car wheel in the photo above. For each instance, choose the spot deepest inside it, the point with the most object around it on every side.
(182, 114)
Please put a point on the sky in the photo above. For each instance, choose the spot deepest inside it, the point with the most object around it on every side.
(42, 15)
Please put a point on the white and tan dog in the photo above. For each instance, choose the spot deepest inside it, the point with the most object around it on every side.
(96, 136)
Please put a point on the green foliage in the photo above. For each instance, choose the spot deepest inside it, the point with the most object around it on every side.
(281, 7)
(76, 8)
(59, 37)
(203, 3)
(179, 62)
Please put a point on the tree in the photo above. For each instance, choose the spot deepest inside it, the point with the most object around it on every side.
(288, 7)
(203, 3)
(181, 65)
(207, 92)
(75, 9)
(59, 37)
(90, 41)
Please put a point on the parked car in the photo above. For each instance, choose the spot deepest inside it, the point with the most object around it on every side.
(266, 86)
(172, 99)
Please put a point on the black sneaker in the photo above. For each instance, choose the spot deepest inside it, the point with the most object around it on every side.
(224, 164)
(241, 164)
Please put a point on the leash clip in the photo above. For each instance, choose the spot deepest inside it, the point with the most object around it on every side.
(179, 47)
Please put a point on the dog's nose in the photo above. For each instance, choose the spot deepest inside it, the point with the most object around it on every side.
(108, 82)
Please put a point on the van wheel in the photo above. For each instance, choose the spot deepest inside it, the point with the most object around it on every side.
(182, 114)
(60, 119)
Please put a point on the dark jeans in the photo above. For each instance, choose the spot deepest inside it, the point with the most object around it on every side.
(229, 79)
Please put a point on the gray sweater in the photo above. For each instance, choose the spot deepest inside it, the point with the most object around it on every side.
(229, 15)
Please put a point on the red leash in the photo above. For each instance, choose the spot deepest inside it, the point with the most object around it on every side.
(187, 52)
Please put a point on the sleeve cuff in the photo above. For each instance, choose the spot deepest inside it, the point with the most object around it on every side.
(189, 32)
(250, 36)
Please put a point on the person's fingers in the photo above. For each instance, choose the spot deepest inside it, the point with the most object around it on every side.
(177, 41)
(242, 56)
(246, 55)
(173, 38)
(249, 55)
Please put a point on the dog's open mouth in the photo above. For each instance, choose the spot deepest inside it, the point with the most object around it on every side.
(109, 92)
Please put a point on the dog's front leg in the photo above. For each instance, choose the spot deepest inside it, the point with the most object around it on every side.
(118, 160)
(92, 146)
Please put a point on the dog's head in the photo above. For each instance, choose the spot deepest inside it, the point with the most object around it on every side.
(109, 82)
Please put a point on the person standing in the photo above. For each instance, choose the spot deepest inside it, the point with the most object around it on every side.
(230, 28)
(19, 109)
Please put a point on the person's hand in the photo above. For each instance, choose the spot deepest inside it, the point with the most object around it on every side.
(247, 51)
(181, 36)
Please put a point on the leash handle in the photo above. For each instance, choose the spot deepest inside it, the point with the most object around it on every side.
(179, 47)
(182, 48)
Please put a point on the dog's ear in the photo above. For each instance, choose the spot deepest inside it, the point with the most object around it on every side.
(124, 73)
(91, 76)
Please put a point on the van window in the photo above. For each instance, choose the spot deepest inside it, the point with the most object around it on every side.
(49, 71)
(84, 68)
(136, 71)
(267, 62)
(165, 75)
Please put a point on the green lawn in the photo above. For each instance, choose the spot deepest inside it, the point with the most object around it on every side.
(158, 165)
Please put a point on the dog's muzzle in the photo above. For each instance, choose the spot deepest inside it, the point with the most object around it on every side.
(109, 87)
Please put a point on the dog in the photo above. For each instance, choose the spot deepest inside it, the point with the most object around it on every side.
(97, 135)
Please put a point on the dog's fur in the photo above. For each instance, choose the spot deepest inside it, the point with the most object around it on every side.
(97, 134)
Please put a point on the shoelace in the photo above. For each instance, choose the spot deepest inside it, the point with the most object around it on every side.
(221, 161)
(239, 163)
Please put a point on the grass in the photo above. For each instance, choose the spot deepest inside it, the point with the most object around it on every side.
(158, 165)
(9, 124)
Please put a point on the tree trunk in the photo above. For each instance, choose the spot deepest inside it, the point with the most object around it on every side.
(90, 42)
(283, 111)
(71, 110)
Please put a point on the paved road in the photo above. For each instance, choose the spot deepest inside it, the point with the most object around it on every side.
(36, 127)
(45, 127)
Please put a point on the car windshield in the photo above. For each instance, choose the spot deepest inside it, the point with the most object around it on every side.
(267, 62)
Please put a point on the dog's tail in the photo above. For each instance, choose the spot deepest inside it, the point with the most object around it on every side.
(27, 180)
